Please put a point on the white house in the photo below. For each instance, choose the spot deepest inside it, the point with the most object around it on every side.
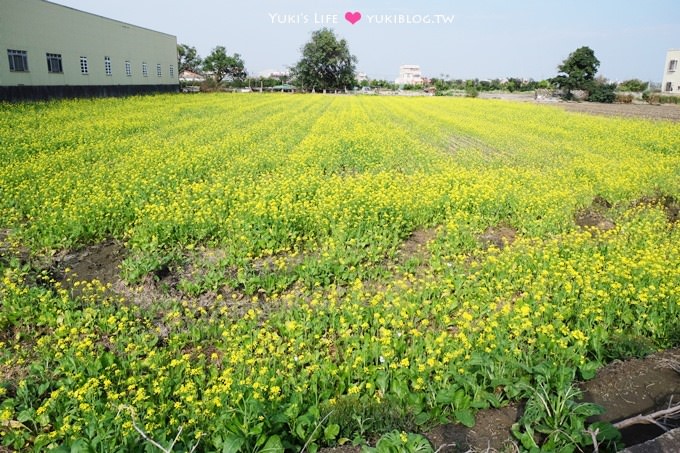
(190, 77)
(362, 77)
(671, 73)
(409, 74)
(54, 51)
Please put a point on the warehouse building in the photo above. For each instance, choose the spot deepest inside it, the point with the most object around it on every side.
(53, 51)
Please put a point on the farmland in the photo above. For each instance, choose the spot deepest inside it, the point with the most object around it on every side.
(311, 270)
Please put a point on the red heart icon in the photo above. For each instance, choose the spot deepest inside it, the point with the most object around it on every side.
(353, 17)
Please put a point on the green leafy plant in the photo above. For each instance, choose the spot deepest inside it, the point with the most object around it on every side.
(400, 442)
(556, 421)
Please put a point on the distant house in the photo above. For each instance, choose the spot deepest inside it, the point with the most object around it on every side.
(54, 51)
(190, 77)
(272, 74)
(671, 74)
(409, 74)
(285, 88)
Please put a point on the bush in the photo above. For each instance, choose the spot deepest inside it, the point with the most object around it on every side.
(209, 85)
(471, 92)
(634, 85)
(658, 98)
(602, 92)
(623, 98)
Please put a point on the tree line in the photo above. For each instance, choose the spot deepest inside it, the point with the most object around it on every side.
(326, 63)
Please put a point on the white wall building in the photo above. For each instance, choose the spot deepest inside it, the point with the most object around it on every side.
(409, 74)
(190, 77)
(52, 51)
(671, 73)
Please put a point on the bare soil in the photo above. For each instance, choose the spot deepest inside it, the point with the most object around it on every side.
(594, 217)
(589, 218)
(415, 245)
(633, 387)
(668, 112)
(670, 205)
(99, 261)
(498, 236)
(647, 111)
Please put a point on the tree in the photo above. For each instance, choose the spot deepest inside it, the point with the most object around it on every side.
(187, 58)
(224, 66)
(578, 71)
(326, 63)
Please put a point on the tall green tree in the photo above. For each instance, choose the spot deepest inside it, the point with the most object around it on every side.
(578, 71)
(187, 58)
(326, 63)
(224, 66)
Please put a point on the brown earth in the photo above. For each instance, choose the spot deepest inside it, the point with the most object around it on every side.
(498, 236)
(415, 245)
(100, 261)
(670, 205)
(594, 217)
(646, 111)
(669, 112)
(634, 387)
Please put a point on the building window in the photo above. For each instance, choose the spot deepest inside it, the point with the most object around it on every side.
(669, 86)
(159, 71)
(172, 71)
(54, 63)
(128, 69)
(18, 60)
(83, 66)
(107, 66)
(145, 70)
(673, 65)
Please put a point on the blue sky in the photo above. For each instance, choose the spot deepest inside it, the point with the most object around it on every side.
(485, 39)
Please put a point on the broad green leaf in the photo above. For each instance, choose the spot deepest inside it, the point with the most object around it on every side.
(422, 418)
(446, 396)
(273, 445)
(466, 417)
(232, 443)
(331, 432)
(606, 431)
(461, 400)
(25, 415)
(589, 370)
(80, 446)
(400, 389)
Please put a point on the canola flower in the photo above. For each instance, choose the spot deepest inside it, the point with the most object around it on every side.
(304, 207)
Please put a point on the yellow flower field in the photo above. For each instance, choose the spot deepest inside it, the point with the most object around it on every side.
(325, 268)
